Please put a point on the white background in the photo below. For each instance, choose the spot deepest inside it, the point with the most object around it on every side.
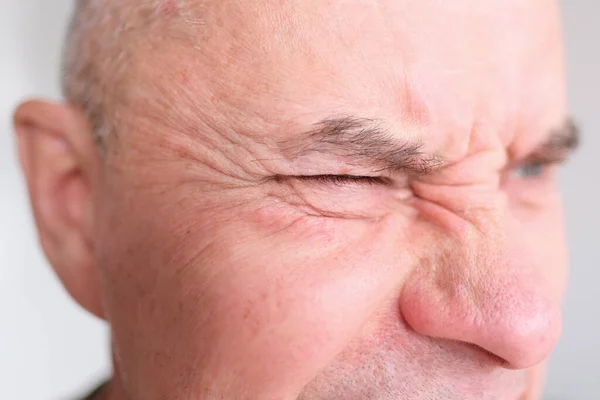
(50, 349)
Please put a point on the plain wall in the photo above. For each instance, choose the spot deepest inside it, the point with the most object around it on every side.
(50, 349)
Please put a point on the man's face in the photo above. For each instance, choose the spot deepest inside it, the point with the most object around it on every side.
(336, 200)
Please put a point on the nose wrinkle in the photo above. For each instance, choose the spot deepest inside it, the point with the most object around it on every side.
(466, 295)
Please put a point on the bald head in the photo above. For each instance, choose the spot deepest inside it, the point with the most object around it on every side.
(107, 37)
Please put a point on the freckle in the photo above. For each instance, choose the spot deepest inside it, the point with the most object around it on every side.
(168, 7)
(185, 76)
(247, 311)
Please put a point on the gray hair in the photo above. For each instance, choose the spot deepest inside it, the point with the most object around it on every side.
(102, 36)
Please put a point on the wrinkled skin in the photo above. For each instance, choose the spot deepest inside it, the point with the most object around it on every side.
(220, 281)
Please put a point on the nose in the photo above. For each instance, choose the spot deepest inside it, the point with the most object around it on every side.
(483, 294)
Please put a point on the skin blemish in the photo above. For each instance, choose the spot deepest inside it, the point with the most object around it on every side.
(184, 76)
(168, 7)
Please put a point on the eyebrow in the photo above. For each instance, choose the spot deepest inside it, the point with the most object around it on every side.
(362, 142)
(560, 144)
(365, 143)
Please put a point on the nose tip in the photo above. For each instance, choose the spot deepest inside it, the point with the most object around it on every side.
(512, 318)
(527, 338)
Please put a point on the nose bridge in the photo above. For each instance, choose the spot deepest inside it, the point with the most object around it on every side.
(480, 289)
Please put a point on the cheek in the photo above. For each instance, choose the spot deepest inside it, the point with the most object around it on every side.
(268, 297)
(551, 248)
(289, 301)
(540, 231)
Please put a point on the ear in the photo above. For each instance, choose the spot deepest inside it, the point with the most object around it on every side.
(59, 158)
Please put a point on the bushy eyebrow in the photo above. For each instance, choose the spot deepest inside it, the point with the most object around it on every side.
(362, 142)
(560, 144)
(365, 143)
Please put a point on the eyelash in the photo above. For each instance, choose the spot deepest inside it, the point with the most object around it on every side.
(342, 180)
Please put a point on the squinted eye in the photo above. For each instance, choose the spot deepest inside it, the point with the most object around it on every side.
(531, 170)
(346, 179)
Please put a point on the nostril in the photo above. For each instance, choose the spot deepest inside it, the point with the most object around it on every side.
(493, 358)
(475, 353)
(508, 323)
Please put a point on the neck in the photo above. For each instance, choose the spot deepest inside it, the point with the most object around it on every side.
(114, 388)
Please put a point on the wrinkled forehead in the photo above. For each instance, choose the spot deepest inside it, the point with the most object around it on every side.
(427, 61)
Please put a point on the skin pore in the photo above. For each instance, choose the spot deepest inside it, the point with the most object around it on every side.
(317, 200)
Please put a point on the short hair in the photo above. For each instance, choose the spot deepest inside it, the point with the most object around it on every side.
(100, 41)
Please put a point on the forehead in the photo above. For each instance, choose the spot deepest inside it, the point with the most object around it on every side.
(428, 67)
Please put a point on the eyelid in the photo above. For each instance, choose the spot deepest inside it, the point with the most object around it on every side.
(546, 159)
(345, 179)
(544, 156)
(547, 166)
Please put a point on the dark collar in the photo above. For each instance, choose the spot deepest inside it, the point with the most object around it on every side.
(95, 395)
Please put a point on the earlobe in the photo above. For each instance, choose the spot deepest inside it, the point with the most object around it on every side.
(59, 160)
